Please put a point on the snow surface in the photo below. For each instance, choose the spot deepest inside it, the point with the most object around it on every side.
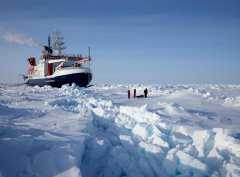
(182, 130)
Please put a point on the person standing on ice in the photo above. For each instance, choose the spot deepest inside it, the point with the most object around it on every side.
(145, 92)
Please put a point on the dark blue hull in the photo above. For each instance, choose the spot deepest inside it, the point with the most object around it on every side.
(80, 79)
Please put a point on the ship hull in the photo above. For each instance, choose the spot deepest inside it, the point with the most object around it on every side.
(80, 79)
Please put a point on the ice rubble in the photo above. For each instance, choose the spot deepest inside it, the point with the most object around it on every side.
(178, 131)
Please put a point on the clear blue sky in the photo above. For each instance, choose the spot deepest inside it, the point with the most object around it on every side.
(133, 41)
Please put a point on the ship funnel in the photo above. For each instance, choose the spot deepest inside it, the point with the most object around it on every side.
(32, 61)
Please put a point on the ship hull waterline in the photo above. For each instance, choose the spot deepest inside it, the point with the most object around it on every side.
(80, 79)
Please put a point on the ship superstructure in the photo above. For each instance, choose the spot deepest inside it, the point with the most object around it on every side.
(56, 69)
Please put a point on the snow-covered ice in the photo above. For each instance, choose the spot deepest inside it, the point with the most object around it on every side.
(181, 130)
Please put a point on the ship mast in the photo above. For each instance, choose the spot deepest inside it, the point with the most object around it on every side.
(89, 60)
(49, 41)
(57, 41)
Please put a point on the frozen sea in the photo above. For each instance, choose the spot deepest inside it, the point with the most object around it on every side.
(179, 130)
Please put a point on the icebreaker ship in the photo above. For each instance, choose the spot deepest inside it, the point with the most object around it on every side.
(56, 69)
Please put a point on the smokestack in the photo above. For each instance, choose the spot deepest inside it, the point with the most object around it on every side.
(19, 38)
